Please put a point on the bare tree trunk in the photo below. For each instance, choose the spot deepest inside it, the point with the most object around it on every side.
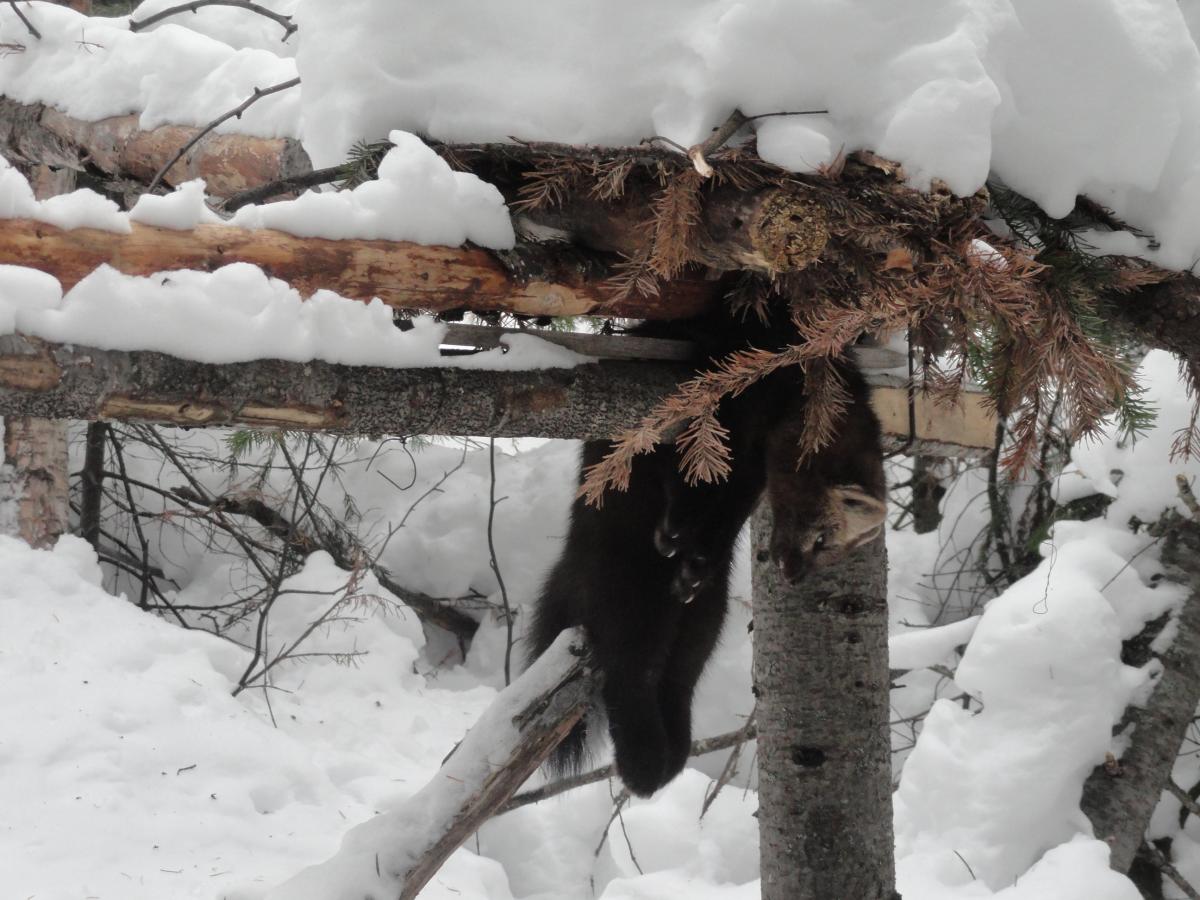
(35, 450)
(821, 679)
(35, 454)
(92, 483)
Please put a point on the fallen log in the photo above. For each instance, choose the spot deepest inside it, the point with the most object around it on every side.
(401, 274)
(591, 401)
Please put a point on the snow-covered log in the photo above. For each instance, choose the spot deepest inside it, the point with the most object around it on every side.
(395, 854)
(77, 382)
(1120, 797)
(595, 400)
(401, 274)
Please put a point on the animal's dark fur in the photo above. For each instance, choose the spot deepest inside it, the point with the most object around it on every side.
(647, 574)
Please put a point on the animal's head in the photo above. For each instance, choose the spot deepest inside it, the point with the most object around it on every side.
(830, 503)
(821, 526)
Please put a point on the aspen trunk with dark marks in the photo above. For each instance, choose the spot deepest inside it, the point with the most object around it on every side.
(1120, 797)
(821, 680)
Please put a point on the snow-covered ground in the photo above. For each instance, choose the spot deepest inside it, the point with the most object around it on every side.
(127, 769)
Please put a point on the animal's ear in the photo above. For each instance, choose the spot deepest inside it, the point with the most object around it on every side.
(864, 513)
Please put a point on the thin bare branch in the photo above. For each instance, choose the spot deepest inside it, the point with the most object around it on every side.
(21, 16)
(289, 27)
(236, 112)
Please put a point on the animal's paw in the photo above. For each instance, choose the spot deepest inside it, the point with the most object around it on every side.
(641, 754)
(694, 570)
(642, 769)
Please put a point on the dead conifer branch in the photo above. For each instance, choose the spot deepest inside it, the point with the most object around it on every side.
(236, 112)
(289, 27)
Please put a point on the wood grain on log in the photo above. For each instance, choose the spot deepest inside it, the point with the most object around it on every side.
(403, 275)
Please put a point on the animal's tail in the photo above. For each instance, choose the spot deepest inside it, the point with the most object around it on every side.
(570, 756)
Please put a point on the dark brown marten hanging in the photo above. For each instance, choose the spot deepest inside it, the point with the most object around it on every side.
(646, 573)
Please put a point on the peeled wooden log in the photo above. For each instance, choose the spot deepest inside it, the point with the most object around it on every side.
(403, 275)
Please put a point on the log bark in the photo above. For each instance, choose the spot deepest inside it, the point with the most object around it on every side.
(590, 401)
(35, 478)
(397, 853)
(821, 680)
(120, 148)
(403, 275)
(76, 382)
(1120, 797)
(770, 230)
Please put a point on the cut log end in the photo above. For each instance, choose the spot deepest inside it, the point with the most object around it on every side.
(789, 232)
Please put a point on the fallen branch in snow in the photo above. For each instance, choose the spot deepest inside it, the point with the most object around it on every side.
(235, 113)
(289, 27)
(430, 610)
(700, 747)
(1120, 796)
(395, 854)
(290, 184)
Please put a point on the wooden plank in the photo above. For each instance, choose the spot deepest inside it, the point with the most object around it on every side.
(943, 429)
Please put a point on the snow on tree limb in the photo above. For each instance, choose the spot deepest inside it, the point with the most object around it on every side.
(396, 853)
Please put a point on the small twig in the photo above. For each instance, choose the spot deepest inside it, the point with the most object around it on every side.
(731, 765)
(967, 864)
(1189, 802)
(699, 748)
(289, 27)
(795, 112)
(495, 563)
(619, 802)
(284, 186)
(1156, 858)
(698, 153)
(258, 94)
(715, 142)
(21, 16)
